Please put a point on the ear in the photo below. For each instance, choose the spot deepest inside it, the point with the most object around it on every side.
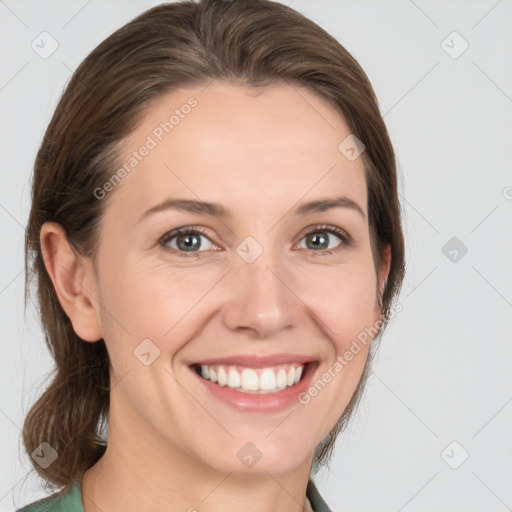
(386, 265)
(383, 274)
(73, 280)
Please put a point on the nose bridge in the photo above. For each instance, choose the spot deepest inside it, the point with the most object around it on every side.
(259, 296)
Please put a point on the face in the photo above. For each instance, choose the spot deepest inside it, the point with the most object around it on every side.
(256, 292)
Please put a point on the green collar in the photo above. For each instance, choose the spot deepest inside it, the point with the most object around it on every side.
(70, 500)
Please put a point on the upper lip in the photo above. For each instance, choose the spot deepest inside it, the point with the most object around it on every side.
(252, 361)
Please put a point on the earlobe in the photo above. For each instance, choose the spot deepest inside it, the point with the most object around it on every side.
(68, 273)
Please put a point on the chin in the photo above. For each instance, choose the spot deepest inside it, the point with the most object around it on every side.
(258, 459)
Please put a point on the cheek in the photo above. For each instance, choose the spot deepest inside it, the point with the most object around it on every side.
(343, 302)
(155, 303)
(150, 299)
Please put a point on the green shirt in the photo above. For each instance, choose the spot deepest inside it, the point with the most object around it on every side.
(71, 500)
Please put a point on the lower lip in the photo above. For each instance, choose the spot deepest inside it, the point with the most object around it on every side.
(263, 403)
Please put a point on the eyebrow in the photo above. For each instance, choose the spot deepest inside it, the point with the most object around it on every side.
(218, 210)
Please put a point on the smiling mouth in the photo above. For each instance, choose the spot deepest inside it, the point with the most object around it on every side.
(267, 380)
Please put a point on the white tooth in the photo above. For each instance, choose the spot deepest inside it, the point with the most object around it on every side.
(281, 379)
(267, 380)
(213, 375)
(249, 380)
(222, 376)
(298, 373)
(290, 378)
(204, 371)
(233, 378)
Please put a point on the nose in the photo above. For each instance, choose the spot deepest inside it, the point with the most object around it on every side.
(260, 300)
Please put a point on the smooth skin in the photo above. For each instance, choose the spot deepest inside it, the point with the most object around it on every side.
(172, 445)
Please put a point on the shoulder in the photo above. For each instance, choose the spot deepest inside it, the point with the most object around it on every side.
(68, 499)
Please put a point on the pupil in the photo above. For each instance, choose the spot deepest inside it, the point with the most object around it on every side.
(316, 236)
(188, 244)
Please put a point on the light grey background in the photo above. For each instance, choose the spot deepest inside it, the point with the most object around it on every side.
(443, 373)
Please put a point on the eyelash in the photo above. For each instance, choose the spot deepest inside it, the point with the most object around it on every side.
(346, 239)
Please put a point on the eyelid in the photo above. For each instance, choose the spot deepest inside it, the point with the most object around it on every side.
(184, 229)
(346, 239)
(329, 228)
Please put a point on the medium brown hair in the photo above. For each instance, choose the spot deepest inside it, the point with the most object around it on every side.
(254, 43)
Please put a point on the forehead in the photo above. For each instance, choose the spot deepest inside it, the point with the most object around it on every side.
(250, 147)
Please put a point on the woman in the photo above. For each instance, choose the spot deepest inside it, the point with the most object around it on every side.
(215, 232)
